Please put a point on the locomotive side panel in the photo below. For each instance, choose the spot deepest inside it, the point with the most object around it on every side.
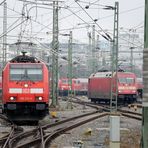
(99, 88)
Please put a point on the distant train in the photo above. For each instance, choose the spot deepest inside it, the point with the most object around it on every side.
(25, 89)
(79, 86)
(99, 87)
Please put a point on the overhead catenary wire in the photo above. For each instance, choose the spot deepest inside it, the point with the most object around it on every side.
(105, 36)
(39, 22)
(84, 21)
(2, 2)
(28, 18)
(91, 3)
(12, 29)
(67, 7)
(123, 12)
(13, 23)
(44, 25)
(59, 20)
(105, 32)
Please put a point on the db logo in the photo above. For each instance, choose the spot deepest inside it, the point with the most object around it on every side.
(26, 90)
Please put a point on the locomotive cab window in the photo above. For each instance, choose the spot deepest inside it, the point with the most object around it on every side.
(130, 80)
(64, 81)
(126, 80)
(26, 72)
(122, 80)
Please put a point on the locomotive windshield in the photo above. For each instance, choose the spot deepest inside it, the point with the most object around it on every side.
(127, 80)
(26, 72)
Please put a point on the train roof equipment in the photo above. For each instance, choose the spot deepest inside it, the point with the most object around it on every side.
(24, 59)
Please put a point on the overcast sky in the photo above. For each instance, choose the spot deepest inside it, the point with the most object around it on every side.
(72, 15)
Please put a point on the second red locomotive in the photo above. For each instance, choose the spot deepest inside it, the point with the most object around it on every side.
(99, 87)
(79, 86)
(25, 93)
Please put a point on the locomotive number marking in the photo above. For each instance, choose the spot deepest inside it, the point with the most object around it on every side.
(26, 90)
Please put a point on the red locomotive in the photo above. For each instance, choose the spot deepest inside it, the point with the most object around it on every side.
(79, 86)
(84, 86)
(63, 87)
(76, 86)
(25, 93)
(99, 87)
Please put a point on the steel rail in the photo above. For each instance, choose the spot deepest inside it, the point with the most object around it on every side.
(61, 123)
(12, 142)
(8, 138)
(52, 136)
(42, 137)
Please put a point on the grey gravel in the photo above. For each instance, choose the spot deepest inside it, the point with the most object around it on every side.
(99, 138)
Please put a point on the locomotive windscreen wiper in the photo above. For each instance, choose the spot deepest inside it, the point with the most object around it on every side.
(22, 77)
(25, 75)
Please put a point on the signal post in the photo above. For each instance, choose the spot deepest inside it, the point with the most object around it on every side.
(55, 48)
(114, 116)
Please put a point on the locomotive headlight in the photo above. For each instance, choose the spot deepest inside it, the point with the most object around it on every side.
(26, 85)
(12, 98)
(40, 98)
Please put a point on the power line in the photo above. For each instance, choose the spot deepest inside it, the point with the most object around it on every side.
(12, 29)
(98, 31)
(61, 19)
(93, 3)
(122, 12)
(106, 35)
(28, 17)
(84, 21)
(2, 2)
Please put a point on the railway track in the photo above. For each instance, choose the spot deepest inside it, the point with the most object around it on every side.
(127, 113)
(10, 133)
(130, 114)
(42, 136)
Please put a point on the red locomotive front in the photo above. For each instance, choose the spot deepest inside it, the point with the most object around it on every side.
(63, 87)
(127, 87)
(25, 92)
(77, 86)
